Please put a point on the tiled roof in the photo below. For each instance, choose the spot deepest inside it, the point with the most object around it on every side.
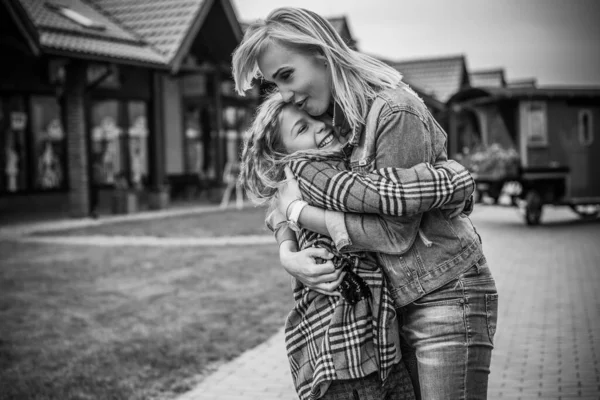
(59, 34)
(487, 78)
(45, 18)
(162, 23)
(528, 82)
(97, 47)
(440, 77)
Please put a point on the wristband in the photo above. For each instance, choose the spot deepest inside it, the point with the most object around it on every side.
(295, 211)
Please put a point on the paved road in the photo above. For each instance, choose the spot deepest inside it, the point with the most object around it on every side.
(548, 337)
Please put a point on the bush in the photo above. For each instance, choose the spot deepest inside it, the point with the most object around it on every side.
(493, 162)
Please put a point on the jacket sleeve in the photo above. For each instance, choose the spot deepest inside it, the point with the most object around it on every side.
(386, 191)
(403, 140)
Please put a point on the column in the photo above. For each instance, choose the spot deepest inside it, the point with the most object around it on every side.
(79, 179)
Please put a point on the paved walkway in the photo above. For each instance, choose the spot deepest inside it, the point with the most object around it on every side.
(548, 337)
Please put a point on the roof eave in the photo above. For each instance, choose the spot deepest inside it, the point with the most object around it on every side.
(186, 43)
(25, 25)
(233, 19)
(190, 36)
(104, 59)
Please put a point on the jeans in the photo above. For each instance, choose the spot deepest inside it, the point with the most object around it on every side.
(448, 337)
(397, 386)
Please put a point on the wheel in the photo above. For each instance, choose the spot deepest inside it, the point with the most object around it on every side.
(589, 211)
(533, 207)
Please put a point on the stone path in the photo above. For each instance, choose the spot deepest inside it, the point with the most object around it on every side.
(547, 345)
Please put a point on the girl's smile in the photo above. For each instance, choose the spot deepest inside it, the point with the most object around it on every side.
(299, 131)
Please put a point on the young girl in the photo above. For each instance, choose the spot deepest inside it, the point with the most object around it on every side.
(346, 344)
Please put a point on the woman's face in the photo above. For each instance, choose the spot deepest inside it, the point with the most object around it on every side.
(300, 131)
(302, 79)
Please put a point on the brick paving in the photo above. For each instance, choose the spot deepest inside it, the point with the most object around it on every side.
(547, 345)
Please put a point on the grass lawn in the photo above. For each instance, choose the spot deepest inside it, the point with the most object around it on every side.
(130, 323)
(248, 221)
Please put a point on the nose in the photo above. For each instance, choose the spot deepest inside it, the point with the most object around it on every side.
(287, 95)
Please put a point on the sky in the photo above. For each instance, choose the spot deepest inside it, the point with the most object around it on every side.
(557, 42)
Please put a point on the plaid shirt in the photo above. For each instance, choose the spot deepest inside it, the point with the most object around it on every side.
(388, 191)
(327, 338)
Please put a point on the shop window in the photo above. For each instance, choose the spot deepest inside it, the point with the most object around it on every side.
(198, 160)
(585, 127)
(138, 142)
(119, 143)
(106, 142)
(48, 143)
(13, 141)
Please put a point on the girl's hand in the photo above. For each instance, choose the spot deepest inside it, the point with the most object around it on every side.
(313, 268)
(288, 191)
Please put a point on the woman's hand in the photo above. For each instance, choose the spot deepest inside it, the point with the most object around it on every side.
(313, 267)
(288, 191)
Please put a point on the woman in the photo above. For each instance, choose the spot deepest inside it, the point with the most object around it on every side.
(433, 263)
(346, 345)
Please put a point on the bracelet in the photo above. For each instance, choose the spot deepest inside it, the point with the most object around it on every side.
(295, 214)
(287, 210)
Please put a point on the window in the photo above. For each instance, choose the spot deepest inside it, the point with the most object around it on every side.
(198, 160)
(585, 127)
(138, 142)
(106, 142)
(14, 160)
(119, 134)
(75, 16)
(33, 148)
(534, 120)
(48, 143)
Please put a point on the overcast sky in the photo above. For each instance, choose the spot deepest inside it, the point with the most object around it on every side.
(555, 41)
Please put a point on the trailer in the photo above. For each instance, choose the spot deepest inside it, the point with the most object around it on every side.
(556, 134)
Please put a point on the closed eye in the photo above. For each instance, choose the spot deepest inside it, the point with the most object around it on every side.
(284, 76)
(302, 129)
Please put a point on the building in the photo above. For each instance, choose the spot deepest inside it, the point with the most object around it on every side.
(487, 78)
(555, 132)
(438, 77)
(101, 97)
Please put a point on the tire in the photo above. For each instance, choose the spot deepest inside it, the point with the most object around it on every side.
(533, 208)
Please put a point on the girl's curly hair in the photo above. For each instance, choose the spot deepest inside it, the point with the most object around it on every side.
(263, 152)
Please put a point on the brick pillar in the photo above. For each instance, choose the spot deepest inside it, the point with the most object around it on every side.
(157, 145)
(79, 193)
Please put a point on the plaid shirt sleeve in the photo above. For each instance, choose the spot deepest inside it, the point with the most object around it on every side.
(386, 191)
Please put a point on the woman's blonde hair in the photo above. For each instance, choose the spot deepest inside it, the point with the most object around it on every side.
(356, 77)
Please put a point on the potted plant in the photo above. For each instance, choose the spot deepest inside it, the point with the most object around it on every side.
(124, 198)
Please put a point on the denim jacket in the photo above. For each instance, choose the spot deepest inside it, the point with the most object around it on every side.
(419, 253)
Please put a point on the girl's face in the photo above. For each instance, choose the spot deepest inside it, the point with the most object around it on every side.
(300, 131)
(302, 79)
